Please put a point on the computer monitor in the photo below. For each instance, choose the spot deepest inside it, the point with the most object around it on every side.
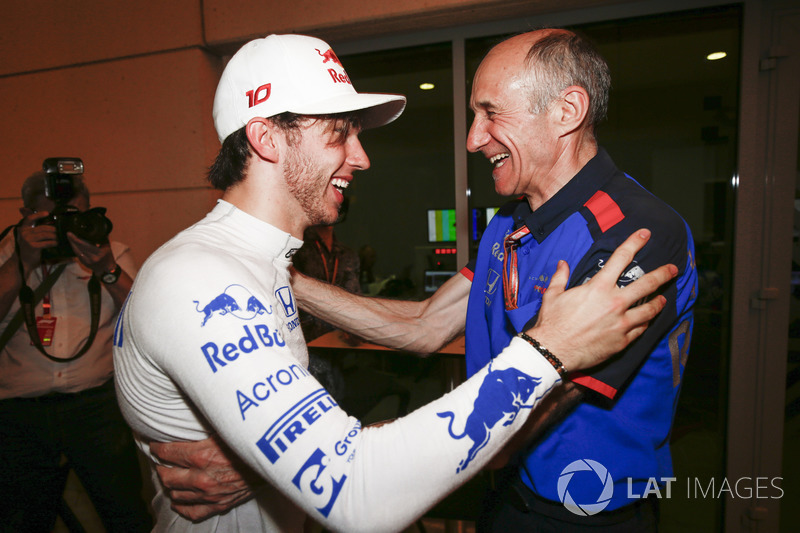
(442, 223)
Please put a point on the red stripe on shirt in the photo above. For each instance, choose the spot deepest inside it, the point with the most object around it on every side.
(605, 210)
(594, 384)
(467, 273)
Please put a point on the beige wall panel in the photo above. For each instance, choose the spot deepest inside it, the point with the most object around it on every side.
(9, 211)
(230, 21)
(145, 221)
(138, 124)
(41, 34)
(341, 20)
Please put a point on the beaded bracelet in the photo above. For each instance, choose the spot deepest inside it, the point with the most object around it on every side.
(547, 354)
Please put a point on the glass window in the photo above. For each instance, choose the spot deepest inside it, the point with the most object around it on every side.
(399, 209)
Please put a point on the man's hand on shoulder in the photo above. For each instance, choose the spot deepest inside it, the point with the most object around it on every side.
(585, 325)
(203, 478)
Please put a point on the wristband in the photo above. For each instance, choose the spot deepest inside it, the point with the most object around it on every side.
(547, 354)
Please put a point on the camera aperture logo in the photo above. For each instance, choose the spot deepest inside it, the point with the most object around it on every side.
(585, 508)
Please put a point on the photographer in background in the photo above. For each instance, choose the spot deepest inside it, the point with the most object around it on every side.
(55, 403)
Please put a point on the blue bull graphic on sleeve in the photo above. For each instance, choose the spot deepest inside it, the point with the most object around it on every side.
(236, 300)
(223, 304)
(502, 394)
(255, 306)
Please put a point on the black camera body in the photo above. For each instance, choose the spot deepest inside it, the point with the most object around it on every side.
(91, 225)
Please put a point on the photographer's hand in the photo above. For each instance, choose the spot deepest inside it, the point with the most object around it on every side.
(100, 259)
(96, 257)
(33, 239)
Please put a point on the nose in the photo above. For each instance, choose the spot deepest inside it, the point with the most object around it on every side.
(477, 137)
(356, 155)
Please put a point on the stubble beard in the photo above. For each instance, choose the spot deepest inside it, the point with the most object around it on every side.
(308, 183)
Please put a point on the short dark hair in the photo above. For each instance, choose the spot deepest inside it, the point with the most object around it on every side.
(231, 162)
(561, 59)
(33, 188)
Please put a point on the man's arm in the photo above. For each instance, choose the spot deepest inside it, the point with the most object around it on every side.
(581, 326)
(218, 478)
(554, 408)
(421, 327)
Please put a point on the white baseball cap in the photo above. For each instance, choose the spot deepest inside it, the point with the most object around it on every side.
(293, 73)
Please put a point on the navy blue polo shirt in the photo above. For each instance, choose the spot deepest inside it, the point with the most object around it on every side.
(624, 423)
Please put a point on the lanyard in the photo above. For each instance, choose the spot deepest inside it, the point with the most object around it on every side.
(46, 305)
(510, 268)
(328, 277)
(27, 300)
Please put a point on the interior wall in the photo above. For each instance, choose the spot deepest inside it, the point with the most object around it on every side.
(126, 88)
(342, 20)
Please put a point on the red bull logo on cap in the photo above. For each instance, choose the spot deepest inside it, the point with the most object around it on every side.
(329, 56)
(336, 75)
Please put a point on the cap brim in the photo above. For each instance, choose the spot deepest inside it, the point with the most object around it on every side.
(374, 109)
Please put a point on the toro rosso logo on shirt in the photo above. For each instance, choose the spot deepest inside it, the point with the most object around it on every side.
(631, 273)
(235, 300)
(502, 395)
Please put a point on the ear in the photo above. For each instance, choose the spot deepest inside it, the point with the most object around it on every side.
(261, 133)
(572, 108)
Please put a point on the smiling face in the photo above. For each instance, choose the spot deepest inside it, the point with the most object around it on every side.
(521, 146)
(319, 167)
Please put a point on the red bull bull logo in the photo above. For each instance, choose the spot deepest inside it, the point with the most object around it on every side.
(235, 300)
(329, 56)
(501, 396)
(337, 75)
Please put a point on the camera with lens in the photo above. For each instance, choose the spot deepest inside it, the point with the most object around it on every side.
(60, 186)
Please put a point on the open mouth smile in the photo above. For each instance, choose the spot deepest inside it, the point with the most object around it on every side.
(340, 184)
(499, 159)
